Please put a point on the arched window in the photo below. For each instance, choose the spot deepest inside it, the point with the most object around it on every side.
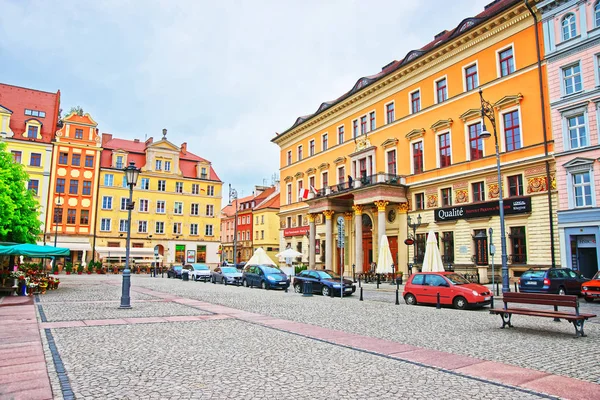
(569, 29)
(597, 13)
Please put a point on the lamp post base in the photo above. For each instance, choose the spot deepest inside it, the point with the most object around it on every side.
(125, 289)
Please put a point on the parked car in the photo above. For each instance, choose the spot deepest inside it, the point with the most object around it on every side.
(553, 280)
(227, 275)
(323, 281)
(455, 290)
(265, 276)
(227, 264)
(174, 271)
(241, 265)
(199, 272)
(591, 289)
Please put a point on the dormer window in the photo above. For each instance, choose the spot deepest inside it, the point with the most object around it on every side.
(35, 113)
(203, 173)
(33, 129)
(167, 166)
(32, 132)
(158, 165)
(569, 28)
(119, 162)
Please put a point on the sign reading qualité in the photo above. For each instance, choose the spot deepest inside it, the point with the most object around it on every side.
(511, 206)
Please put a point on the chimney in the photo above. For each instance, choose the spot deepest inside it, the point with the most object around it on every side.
(149, 141)
(106, 137)
(136, 140)
(184, 147)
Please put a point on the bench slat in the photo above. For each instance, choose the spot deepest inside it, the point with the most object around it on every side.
(542, 299)
(534, 313)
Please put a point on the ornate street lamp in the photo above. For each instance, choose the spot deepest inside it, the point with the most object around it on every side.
(131, 173)
(233, 195)
(57, 206)
(487, 110)
(414, 227)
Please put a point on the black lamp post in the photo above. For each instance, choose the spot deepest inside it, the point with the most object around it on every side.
(131, 173)
(487, 110)
(57, 206)
(414, 227)
(233, 195)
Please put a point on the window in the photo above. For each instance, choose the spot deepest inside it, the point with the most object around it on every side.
(597, 14)
(63, 158)
(194, 229)
(391, 162)
(167, 166)
(341, 174)
(340, 135)
(160, 206)
(142, 226)
(582, 189)
(512, 130)
(58, 215)
(194, 209)
(389, 113)
(569, 29)
(507, 62)
(471, 81)
(159, 227)
(105, 224)
(78, 133)
(76, 160)
(161, 185)
(124, 181)
(417, 157)
(518, 248)
(32, 131)
(16, 155)
(210, 190)
(108, 179)
(515, 185)
(300, 187)
(35, 159)
(123, 225)
(421, 244)
(325, 179)
(256, 220)
(475, 142)
(572, 79)
(144, 205)
(446, 197)
(299, 153)
(178, 187)
(441, 90)
(177, 228)
(107, 202)
(195, 188)
(262, 235)
(372, 121)
(178, 208)
(415, 102)
(208, 231)
(355, 128)
(89, 161)
(124, 201)
(262, 219)
(87, 188)
(289, 157)
(73, 186)
(145, 184)
(289, 193)
(577, 131)
(363, 125)
(448, 247)
(481, 246)
(444, 149)
(158, 165)
(478, 191)
(311, 149)
(60, 185)
(35, 113)
(33, 186)
(324, 142)
(419, 201)
(84, 217)
(119, 162)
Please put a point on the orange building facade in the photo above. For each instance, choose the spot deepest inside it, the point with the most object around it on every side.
(405, 143)
(73, 186)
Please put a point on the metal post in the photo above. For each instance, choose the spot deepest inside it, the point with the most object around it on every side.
(361, 294)
(233, 195)
(438, 305)
(354, 273)
(125, 300)
(55, 223)
(378, 280)
(397, 293)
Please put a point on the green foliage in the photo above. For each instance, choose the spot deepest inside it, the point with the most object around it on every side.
(79, 268)
(300, 268)
(19, 210)
(77, 110)
(69, 267)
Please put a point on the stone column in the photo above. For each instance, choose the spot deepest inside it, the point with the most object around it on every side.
(402, 236)
(328, 239)
(358, 209)
(381, 205)
(311, 240)
(348, 233)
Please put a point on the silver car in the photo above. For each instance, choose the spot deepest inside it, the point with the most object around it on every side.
(227, 275)
(199, 272)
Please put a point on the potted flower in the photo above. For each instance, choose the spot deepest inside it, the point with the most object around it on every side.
(55, 269)
(79, 269)
(69, 268)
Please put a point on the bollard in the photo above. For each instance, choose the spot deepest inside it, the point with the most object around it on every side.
(497, 288)
(359, 285)
(516, 290)
(361, 297)
(397, 298)
(492, 302)
(378, 280)
(331, 292)
(438, 305)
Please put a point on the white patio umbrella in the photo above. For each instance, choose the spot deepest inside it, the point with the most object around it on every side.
(288, 253)
(432, 262)
(384, 260)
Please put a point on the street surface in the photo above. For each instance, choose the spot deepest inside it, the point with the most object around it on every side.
(199, 340)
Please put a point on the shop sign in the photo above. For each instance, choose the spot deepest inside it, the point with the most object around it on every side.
(191, 256)
(511, 206)
(586, 241)
(298, 231)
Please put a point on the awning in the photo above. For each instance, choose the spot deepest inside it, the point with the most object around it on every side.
(120, 252)
(73, 246)
(32, 250)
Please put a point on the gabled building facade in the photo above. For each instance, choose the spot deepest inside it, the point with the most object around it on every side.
(266, 222)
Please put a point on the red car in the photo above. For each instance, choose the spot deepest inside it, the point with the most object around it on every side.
(423, 287)
(591, 290)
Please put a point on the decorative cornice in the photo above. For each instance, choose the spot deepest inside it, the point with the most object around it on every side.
(415, 133)
(381, 205)
(311, 171)
(441, 124)
(508, 101)
(288, 179)
(299, 175)
(328, 214)
(358, 209)
(323, 166)
(470, 114)
(391, 142)
(339, 160)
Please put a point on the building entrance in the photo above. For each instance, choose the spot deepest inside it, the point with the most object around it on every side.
(586, 255)
(367, 242)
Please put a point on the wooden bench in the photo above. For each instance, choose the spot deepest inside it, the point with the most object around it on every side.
(576, 318)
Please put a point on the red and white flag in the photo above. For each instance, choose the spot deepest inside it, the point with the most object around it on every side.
(312, 189)
(303, 194)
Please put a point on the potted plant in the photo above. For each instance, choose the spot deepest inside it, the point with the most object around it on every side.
(69, 268)
(55, 269)
(79, 269)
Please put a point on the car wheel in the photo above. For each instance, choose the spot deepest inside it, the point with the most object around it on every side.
(245, 283)
(297, 288)
(213, 280)
(562, 291)
(224, 281)
(460, 303)
(410, 299)
(263, 285)
(589, 299)
(325, 291)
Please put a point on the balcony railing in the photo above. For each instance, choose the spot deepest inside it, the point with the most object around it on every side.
(368, 180)
(518, 259)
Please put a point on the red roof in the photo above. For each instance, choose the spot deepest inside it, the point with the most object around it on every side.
(17, 99)
(271, 203)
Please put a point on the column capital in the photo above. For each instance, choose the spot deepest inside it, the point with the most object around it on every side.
(381, 205)
(403, 208)
(328, 214)
(358, 209)
(348, 216)
(311, 217)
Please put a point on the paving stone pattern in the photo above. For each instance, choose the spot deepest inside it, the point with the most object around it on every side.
(70, 291)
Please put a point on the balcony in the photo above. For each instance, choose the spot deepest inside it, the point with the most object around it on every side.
(517, 259)
(367, 180)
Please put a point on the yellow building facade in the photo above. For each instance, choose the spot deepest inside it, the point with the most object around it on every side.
(266, 223)
(405, 143)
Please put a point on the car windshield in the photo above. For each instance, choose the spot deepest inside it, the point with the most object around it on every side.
(533, 274)
(229, 270)
(177, 268)
(200, 267)
(271, 270)
(328, 275)
(456, 279)
(597, 276)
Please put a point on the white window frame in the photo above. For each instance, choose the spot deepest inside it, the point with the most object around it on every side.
(501, 113)
(298, 183)
(147, 181)
(194, 230)
(374, 111)
(387, 157)
(177, 228)
(109, 200)
(177, 186)
(323, 173)
(210, 210)
(299, 150)
(589, 168)
(385, 111)
(195, 206)
(147, 202)
(162, 225)
(562, 33)
(164, 207)
(103, 223)
(566, 136)
(323, 148)
(159, 185)
(143, 224)
(563, 86)
(207, 228)
(123, 203)
(178, 207)
(167, 166)
(410, 110)
(412, 164)
(311, 148)
(464, 75)
(352, 136)
(289, 194)
(158, 165)
(121, 227)
(435, 82)
(474, 121)
(437, 147)
(337, 181)
(337, 133)
(110, 178)
(195, 188)
(514, 56)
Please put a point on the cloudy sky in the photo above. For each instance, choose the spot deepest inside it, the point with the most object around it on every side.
(223, 76)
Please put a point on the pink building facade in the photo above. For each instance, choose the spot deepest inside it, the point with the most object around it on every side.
(572, 52)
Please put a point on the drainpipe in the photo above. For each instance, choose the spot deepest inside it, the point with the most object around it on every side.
(95, 219)
(544, 128)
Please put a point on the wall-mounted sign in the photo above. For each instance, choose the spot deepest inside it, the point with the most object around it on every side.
(298, 231)
(191, 256)
(586, 241)
(511, 206)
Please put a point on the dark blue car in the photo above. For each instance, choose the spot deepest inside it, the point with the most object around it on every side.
(553, 280)
(265, 277)
(323, 281)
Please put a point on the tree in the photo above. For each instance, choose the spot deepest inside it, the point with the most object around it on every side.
(19, 210)
(77, 110)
